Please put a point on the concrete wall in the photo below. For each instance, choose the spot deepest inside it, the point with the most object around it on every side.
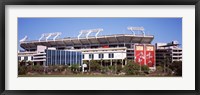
(41, 48)
(106, 56)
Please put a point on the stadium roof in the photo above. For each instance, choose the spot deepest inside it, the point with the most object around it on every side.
(91, 40)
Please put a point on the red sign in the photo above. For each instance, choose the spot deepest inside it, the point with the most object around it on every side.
(105, 46)
(139, 54)
(150, 55)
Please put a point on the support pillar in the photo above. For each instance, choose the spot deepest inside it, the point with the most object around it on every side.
(122, 63)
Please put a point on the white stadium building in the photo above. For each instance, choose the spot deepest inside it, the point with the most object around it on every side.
(51, 50)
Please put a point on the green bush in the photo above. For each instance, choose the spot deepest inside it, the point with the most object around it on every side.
(159, 69)
(177, 68)
(37, 68)
(145, 68)
(85, 62)
(104, 69)
(95, 66)
(75, 68)
(131, 69)
(119, 68)
(111, 68)
(22, 70)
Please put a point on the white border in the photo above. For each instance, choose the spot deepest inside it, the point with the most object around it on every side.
(187, 82)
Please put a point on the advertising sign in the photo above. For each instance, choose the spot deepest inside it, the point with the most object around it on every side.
(150, 55)
(139, 54)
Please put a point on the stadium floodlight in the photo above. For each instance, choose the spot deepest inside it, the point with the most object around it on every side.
(56, 35)
(48, 35)
(24, 39)
(88, 32)
(41, 37)
(133, 29)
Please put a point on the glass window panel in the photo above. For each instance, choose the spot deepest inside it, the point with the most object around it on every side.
(19, 58)
(26, 58)
(53, 57)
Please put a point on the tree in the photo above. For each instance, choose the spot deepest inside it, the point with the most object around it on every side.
(176, 67)
(131, 68)
(85, 62)
(104, 69)
(75, 68)
(119, 68)
(61, 68)
(159, 69)
(38, 68)
(22, 63)
(145, 69)
(22, 70)
(67, 69)
(95, 66)
(29, 63)
(129, 61)
(111, 68)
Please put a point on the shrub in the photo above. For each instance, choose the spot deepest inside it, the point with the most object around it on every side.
(37, 68)
(104, 69)
(111, 68)
(75, 68)
(85, 62)
(159, 69)
(131, 69)
(177, 68)
(95, 66)
(119, 68)
(22, 70)
(145, 68)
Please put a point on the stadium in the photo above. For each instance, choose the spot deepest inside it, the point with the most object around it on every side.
(107, 49)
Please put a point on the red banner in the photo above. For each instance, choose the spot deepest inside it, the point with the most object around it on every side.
(139, 54)
(150, 55)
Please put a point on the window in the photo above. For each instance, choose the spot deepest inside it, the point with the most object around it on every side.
(57, 57)
(111, 55)
(26, 58)
(101, 56)
(63, 57)
(91, 56)
(49, 57)
(19, 58)
(53, 57)
(67, 57)
(83, 56)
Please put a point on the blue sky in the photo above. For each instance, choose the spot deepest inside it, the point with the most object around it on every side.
(163, 29)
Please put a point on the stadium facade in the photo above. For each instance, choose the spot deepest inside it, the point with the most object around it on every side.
(111, 49)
